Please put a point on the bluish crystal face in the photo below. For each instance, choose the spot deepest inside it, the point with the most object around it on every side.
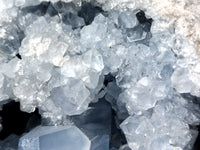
(103, 74)
(54, 138)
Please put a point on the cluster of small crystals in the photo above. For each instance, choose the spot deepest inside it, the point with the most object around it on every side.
(64, 60)
(183, 19)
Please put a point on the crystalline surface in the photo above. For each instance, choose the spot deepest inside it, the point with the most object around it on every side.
(62, 94)
(96, 124)
(63, 57)
(127, 20)
(60, 138)
(155, 130)
(100, 143)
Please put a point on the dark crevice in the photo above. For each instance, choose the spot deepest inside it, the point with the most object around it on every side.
(144, 21)
(88, 12)
(197, 142)
(109, 78)
(117, 136)
(51, 10)
(195, 100)
(68, 12)
(71, 19)
(140, 30)
(39, 10)
(18, 56)
(64, 8)
(15, 121)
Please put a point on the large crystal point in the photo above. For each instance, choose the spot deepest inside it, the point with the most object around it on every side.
(55, 138)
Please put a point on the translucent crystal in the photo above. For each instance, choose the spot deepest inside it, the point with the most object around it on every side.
(100, 143)
(135, 34)
(95, 32)
(181, 80)
(149, 131)
(60, 138)
(96, 124)
(127, 20)
(71, 97)
(10, 38)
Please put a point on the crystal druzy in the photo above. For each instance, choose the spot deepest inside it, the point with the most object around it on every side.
(103, 74)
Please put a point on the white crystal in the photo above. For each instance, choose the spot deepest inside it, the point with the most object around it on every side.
(127, 20)
(72, 98)
(95, 32)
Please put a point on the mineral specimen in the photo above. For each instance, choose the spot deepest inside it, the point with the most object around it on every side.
(104, 74)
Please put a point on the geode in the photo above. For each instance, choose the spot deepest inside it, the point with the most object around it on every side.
(103, 74)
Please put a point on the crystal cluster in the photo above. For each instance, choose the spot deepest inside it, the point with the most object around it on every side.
(78, 62)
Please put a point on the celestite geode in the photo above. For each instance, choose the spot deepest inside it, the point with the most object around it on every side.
(87, 65)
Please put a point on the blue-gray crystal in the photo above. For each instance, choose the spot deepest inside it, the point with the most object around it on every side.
(54, 138)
